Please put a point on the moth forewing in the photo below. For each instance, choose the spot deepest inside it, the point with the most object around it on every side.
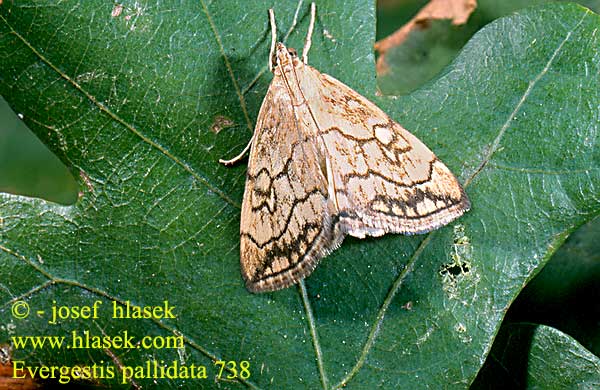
(326, 162)
(286, 224)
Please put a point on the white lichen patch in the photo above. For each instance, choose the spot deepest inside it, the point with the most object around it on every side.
(463, 335)
(89, 76)
(11, 328)
(328, 35)
(459, 277)
(5, 354)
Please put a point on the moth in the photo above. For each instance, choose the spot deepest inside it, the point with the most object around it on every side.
(325, 162)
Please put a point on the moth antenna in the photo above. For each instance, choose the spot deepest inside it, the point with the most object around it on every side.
(273, 37)
(239, 156)
(311, 26)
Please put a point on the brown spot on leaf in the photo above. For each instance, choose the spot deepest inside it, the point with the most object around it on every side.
(117, 10)
(458, 11)
(220, 122)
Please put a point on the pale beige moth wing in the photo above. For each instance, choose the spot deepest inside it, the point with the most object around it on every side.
(384, 178)
(287, 219)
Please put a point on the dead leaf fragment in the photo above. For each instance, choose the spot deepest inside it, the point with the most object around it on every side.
(458, 11)
(22, 381)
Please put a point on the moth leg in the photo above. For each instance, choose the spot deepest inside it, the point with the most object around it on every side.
(311, 26)
(239, 156)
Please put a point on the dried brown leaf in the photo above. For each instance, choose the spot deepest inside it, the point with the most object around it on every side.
(22, 381)
(458, 11)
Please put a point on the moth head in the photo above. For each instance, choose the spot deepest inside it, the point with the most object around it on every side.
(284, 57)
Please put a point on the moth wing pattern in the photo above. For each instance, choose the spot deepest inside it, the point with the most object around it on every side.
(385, 180)
(325, 162)
(287, 219)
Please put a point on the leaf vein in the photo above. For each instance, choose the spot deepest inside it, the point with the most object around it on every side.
(118, 119)
(52, 280)
(238, 91)
(313, 333)
(496, 143)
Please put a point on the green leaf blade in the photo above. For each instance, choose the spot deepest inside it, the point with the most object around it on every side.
(553, 359)
(133, 109)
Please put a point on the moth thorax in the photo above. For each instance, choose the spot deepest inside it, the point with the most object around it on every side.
(285, 58)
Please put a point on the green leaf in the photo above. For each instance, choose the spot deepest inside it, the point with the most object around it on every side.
(136, 104)
(539, 357)
(565, 293)
(35, 171)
